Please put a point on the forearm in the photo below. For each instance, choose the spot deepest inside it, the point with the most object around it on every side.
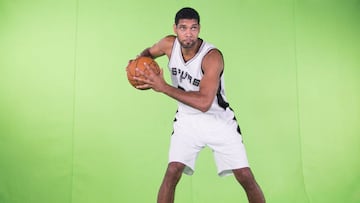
(194, 99)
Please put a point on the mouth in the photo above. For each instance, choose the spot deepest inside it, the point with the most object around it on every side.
(187, 45)
(188, 42)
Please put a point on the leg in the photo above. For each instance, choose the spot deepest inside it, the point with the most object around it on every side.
(253, 191)
(172, 177)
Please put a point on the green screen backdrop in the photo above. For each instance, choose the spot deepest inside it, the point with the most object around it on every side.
(72, 129)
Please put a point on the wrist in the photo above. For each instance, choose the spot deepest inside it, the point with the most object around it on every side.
(167, 89)
(146, 53)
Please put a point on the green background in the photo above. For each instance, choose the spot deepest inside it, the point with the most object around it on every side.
(72, 130)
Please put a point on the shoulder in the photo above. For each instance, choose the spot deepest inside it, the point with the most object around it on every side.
(211, 50)
(213, 55)
(170, 38)
(213, 61)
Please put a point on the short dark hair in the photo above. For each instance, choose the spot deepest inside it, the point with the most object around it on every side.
(187, 13)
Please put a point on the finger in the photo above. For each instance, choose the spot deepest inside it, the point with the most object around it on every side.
(140, 72)
(139, 79)
(143, 87)
(148, 68)
(152, 72)
(146, 65)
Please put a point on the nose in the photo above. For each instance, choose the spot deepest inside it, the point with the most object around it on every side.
(188, 33)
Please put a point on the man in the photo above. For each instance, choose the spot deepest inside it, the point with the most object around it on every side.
(204, 117)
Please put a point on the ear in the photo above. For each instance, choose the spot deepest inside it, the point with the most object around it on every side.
(174, 28)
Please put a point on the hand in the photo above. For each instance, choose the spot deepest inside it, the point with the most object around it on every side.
(150, 79)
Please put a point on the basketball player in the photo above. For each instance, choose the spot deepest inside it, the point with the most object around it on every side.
(204, 117)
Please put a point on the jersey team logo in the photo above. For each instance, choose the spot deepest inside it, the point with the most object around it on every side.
(183, 75)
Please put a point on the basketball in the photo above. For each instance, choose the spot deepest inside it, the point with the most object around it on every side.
(139, 63)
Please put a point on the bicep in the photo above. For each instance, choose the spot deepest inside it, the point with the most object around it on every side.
(156, 51)
(163, 47)
(212, 66)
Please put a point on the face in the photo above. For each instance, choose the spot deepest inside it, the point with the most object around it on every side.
(187, 32)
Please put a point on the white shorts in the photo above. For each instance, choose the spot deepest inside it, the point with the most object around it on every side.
(222, 135)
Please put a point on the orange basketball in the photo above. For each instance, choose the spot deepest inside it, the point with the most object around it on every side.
(139, 63)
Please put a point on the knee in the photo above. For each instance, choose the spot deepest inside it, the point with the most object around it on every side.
(173, 174)
(245, 177)
(175, 169)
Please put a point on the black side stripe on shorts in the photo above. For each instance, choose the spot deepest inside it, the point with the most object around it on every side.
(238, 127)
(175, 119)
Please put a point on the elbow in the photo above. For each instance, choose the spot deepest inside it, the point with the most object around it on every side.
(204, 107)
(205, 103)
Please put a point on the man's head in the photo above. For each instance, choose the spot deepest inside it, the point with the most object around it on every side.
(187, 13)
(187, 27)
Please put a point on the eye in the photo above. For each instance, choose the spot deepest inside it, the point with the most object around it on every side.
(182, 28)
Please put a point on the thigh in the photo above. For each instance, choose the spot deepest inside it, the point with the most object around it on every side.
(229, 150)
(184, 146)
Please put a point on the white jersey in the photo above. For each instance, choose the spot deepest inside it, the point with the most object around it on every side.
(187, 76)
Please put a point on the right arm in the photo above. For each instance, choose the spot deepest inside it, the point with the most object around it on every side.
(202, 99)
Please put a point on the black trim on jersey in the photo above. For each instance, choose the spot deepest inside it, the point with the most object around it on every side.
(179, 87)
(222, 103)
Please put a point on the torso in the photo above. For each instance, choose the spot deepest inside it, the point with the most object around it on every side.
(186, 74)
